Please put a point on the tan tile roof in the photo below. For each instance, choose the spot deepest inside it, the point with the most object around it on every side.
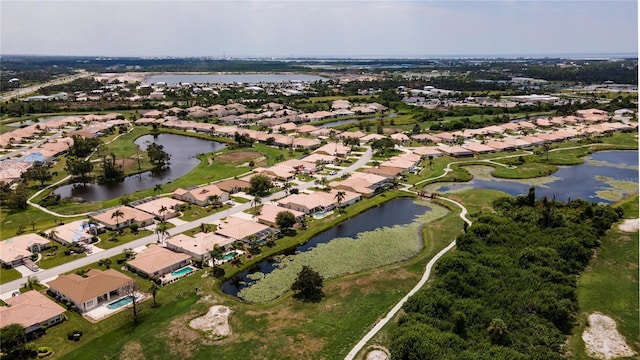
(239, 229)
(200, 243)
(268, 213)
(201, 193)
(17, 247)
(155, 258)
(80, 289)
(28, 309)
(129, 213)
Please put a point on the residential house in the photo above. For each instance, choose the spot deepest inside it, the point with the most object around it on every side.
(200, 245)
(14, 251)
(31, 310)
(90, 292)
(334, 149)
(233, 186)
(269, 213)
(156, 261)
(317, 201)
(73, 232)
(362, 183)
(129, 216)
(201, 195)
(162, 208)
(244, 230)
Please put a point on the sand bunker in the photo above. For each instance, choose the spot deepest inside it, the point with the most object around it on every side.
(216, 321)
(630, 225)
(377, 355)
(602, 340)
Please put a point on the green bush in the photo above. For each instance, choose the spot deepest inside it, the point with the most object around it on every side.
(44, 351)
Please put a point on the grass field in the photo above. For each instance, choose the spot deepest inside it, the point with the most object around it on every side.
(285, 328)
(610, 285)
(7, 275)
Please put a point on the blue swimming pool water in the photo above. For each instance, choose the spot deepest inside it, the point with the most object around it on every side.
(228, 256)
(183, 271)
(120, 303)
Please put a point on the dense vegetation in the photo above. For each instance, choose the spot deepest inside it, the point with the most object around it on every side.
(509, 292)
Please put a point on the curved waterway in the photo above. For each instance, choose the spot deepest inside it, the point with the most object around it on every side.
(596, 179)
(394, 212)
(183, 151)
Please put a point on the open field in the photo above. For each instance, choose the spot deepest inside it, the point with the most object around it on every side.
(609, 285)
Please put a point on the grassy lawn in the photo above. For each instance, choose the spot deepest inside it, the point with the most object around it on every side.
(125, 147)
(53, 257)
(477, 200)
(196, 212)
(12, 220)
(239, 200)
(106, 243)
(610, 284)
(7, 275)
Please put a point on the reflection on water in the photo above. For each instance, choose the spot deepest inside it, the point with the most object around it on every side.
(394, 212)
(183, 151)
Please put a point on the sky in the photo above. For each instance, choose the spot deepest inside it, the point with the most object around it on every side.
(268, 28)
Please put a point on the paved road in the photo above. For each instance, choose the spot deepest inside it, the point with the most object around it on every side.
(425, 277)
(43, 275)
(31, 89)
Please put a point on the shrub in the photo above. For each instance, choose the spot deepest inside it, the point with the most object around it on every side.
(44, 351)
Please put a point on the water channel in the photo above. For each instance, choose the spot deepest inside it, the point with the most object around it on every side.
(597, 174)
(183, 151)
(394, 212)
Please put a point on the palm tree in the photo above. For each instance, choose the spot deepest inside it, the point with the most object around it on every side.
(161, 230)
(324, 182)
(340, 195)
(430, 161)
(497, 330)
(257, 200)
(375, 163)
(153, 289)
(33, 225)
(286, 187)
(213, 199)
(163, 209)
(32, 281)
(157, 188)
(117, 214)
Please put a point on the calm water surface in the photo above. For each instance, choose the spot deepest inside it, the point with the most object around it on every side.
(394, 212)
(183, 151)
(231, 78)
(577, 181)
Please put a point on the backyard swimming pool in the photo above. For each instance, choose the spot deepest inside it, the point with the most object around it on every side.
(183, 271)
(120, 303)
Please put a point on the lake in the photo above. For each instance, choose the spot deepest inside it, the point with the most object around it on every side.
(589, 180)
(183, 151)
(231, 78)
(394, 212)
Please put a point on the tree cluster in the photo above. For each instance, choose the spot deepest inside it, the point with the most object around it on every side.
(157, 155)
(509, 291)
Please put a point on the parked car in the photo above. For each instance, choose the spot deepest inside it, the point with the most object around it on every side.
(333, 172)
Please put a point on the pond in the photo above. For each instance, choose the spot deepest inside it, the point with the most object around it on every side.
(394, 212)
(183, 151)
(231, 78)
(603, 177)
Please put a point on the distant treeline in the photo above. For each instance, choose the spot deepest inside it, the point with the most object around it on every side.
(509, 290)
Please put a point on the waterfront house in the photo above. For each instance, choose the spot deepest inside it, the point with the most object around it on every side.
(156, 261)
(200, 245)
(162, 208)
(129, 216)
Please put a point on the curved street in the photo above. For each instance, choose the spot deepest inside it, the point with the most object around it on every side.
(425, 277)
(47, 274)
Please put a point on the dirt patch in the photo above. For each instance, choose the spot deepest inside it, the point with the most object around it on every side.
(629, 225)
(240, 157)
(181, 339)
(379, 353)
(215, 322)
(132, 351)
(602, 340)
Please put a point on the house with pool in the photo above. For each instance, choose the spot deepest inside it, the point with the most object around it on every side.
(318, 202)
(18, 250)
(156, 262)
(244, 230)
(74, 232)
(362, 183)
(200, 245)
(31, 310)
(87, 293)
(269, 213)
